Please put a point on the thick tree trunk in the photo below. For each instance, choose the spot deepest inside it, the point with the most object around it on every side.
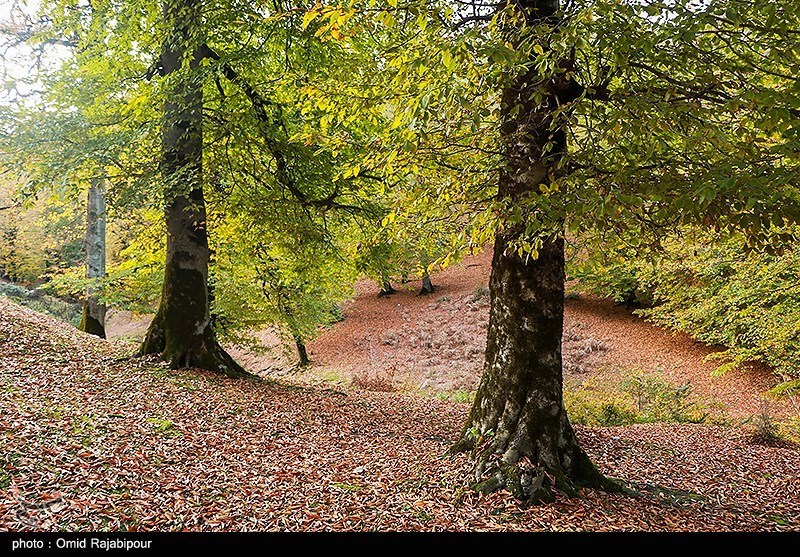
(518, 425)
(181, 331)
(93, 318)
(301, 351)
(518, 428)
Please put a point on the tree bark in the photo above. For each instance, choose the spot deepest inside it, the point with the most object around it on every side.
(301, 351)
(181, 331)
(518, 430)
(427, 285)
(93, 318)
(386, 288)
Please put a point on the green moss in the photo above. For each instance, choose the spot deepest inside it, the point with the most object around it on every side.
(89, 324)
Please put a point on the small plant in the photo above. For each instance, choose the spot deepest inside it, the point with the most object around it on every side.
(593, 405)
(473, 434)
(333, 377)
(163, 426)
(639, 398)
(346, 487)
(458, 395)
(658, 401)
(766, 431)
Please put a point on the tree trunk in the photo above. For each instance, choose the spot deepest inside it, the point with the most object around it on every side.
(93, 318)
(518, 429)
(181, 331)
(386, 288)
(427, 285)
(301, 351)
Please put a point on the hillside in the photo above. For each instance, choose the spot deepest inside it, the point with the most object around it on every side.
(89, 440)
(434, 344)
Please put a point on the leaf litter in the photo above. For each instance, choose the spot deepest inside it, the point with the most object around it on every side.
(90, 440)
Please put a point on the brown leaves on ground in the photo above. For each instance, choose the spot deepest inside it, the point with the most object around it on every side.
(89, 441)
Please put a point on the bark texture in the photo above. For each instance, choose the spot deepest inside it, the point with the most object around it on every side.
(181, 331)
(427, 285)
(93, 317)
(302, 353)
(518, 428)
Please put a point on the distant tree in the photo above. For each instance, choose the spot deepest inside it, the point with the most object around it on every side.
(93, 317)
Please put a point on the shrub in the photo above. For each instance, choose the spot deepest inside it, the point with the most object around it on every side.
(636, 399)
(718, 291)
(62, 310)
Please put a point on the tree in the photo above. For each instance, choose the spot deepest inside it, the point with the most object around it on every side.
(289, 282)
(70, 128)
(518, 423)
(181, 332)
(613, 119)
(242, 126)
(93, 317)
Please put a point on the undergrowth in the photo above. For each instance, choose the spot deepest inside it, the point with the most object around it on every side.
(638, 398)
(43, 303)
(713, 288)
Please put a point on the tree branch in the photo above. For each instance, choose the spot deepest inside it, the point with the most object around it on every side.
(261, 107)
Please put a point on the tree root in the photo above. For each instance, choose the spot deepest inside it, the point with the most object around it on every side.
(659, 493)
(533, 482)
(538, 484)
(202, 352)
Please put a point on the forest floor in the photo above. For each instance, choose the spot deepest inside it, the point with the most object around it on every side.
(434, 345)
(90, 439)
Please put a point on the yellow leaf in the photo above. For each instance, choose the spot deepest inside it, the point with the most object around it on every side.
(310, 16)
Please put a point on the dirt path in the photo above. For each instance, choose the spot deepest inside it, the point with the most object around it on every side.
(435, 343)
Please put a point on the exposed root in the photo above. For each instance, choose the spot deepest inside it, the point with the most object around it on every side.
(202, 352)
(659, 493)
(533, 482)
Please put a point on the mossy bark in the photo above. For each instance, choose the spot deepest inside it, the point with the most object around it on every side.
(518, 430)
(181, 331)
(89, 323)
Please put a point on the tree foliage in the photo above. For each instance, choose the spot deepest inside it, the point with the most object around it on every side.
(716, 290)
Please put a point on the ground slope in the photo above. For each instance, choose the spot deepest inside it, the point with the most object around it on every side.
(436, 343)
(89, 441)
